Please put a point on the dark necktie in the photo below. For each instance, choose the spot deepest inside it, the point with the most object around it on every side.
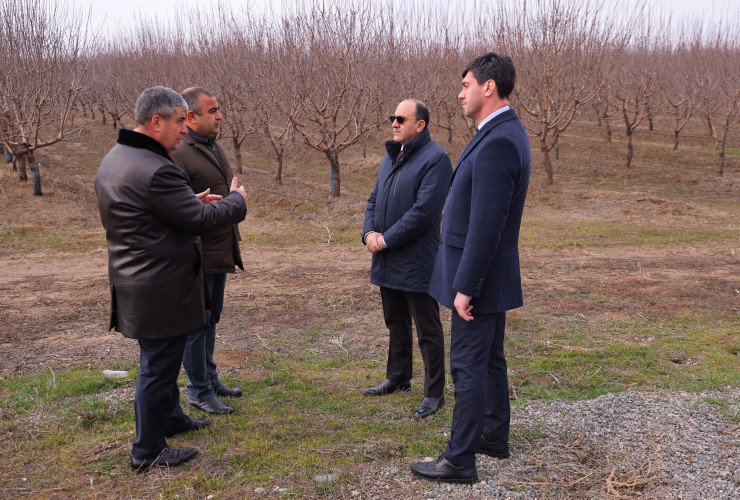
(400, 155)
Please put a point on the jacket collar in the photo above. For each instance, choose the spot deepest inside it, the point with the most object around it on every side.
(205, 146)
(510, 114)
(393, 147)
(199, 138)
(141, 141)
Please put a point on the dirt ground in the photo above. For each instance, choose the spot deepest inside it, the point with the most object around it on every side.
(55, 303)
(305, 266)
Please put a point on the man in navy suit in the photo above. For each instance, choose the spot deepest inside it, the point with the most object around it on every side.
(477, 269)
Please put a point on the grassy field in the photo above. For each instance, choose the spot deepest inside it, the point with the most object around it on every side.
(631, 281)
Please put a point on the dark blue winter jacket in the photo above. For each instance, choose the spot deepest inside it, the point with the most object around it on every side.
(406, 207)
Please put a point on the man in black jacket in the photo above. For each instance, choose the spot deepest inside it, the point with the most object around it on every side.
(401, 230)
(152, 218)
(204, 162)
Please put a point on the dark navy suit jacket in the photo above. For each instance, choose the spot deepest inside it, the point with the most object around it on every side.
(479, 255)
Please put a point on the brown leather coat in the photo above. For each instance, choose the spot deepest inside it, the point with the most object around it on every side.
(152, 220)
(221, 246)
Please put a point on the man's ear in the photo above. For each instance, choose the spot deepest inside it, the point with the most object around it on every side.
(490, 88)
(192, 116)
(156, 122)
(420, 126)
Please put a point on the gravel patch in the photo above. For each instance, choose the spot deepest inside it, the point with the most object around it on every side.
(652, 445)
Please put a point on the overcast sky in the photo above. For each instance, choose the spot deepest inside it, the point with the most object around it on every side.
(112, 13)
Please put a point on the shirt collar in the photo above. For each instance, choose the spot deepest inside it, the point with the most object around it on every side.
(492, 116)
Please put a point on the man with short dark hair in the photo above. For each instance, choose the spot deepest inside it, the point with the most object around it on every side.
(204, 162)
(152, 218)
(477, 269)
(401, 230)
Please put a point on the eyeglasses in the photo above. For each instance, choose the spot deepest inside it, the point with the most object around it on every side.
(399, 119)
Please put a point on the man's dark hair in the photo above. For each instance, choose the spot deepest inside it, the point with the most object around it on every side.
(191, 96)
(422, 112)
(491, 66)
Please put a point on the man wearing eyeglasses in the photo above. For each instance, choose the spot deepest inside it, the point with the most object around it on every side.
(402, 232)
(204, 162)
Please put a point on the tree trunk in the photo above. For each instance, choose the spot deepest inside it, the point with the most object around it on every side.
(547, 164)
(608, 131)
(630, 148)
(675, 140)
(114, 119)
(333, 156)
(238, 154)
(557, 151)
(36, 174)
(279, 172)
(722, 159)
(22, 174)
(364, 146)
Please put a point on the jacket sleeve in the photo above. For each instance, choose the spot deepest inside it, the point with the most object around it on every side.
(430, 199)
(172, 200)
(369, 223)
(494, 173)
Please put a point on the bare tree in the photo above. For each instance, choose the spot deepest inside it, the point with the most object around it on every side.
(679, 91)
(719, 81)
(43, 72)
(563, 50)
(635, 85)
(321, 63)
(605, 109)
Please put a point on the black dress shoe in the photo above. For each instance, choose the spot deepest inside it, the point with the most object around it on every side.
(429, 406)
(387, 387)
(191, 424)
(170, 457)
(492, 449)
(212, 405)
(443, 471)
(222, 390)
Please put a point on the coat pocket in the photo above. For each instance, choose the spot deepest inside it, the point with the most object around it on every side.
(454, 239)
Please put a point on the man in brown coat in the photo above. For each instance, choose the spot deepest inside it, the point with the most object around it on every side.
(204, 162)
(152, 218)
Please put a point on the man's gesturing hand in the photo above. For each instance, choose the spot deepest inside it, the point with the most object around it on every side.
(205, 197)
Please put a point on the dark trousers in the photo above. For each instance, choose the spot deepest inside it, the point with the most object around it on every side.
(398, 309)
(478, 368)
(157, 403)
(199, 346)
